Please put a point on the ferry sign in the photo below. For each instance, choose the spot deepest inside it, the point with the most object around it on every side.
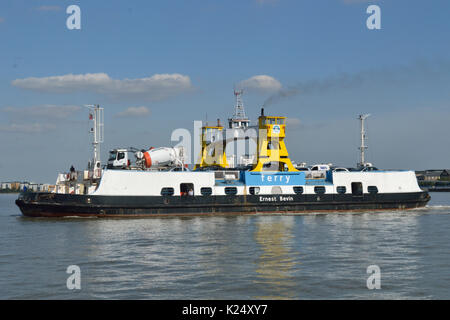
(276, 129)
(274, 178)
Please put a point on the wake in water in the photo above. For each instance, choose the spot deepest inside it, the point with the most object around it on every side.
(438, 207)
(434, 209)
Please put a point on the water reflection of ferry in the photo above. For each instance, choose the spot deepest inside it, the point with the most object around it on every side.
(277, 262)
(158, 182)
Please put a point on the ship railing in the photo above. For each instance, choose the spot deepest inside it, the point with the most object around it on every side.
(78, 182)
(80, 176)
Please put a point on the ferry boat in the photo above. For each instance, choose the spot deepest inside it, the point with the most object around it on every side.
(159, 183)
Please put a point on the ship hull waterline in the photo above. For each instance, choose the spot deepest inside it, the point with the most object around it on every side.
(66, 205)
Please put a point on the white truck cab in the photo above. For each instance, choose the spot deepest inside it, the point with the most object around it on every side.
(119, 159)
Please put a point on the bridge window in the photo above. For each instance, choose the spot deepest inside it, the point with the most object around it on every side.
(206, 191)
(341, 189)
(319, 190)
(372, 189)
(298, 190)
(167, 191)
(254, 190)
(230, 190)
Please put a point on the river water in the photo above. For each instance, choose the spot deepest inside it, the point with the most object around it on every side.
(322, 256)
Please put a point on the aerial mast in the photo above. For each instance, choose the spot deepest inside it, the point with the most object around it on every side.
(239, 119)
(363, 147)
(97, 130)
(239, 112)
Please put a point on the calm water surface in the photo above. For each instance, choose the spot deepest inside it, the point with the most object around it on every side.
(321, 256)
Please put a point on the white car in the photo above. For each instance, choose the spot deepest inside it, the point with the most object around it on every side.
(340, 170)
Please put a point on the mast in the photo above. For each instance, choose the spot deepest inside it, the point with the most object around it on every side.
(97, 130)
(239, 112)
(363, 147)
(237, 124)
(239, 119)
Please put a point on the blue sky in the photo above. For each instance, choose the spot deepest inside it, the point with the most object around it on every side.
(158, 65)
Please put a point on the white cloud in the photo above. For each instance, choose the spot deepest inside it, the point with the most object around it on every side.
(357, 1)
(27, 128)
(261, 83)
(266, 1)
(49, 8)
(156, 87)
(134, 112)
(44, 111)
(36, 119)
(293, 122)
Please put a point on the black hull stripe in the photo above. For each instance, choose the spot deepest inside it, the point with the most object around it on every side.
(57, 205)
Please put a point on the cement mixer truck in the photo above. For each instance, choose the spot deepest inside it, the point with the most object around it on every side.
(152, 159)
(157, 158)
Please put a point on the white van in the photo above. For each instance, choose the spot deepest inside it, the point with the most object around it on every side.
(318, 171)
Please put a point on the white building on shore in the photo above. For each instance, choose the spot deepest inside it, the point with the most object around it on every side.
(23, 186)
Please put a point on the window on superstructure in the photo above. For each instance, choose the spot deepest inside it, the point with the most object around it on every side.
(230, 190)
(167, 191)
(341, 189)
(298, 190)
(254, 190)
(319, 189)
(206, 191)
(120, 155)
(372, 189)
(277, 190)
